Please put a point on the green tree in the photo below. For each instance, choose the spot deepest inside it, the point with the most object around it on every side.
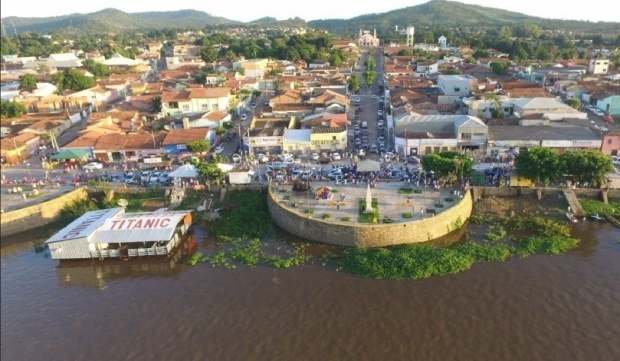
(11, 109)
(210, 171)
(72, 79)
(499, 68)
(497, 110)
(97, 69)
(481, 53)
(587, 166)
(539, 163)
(156, 104)
(199, 146)
(241, 71)
(27, 82)
(370, 76)
(208, 54)
(354, 83)
(448, 165)
(573, 103)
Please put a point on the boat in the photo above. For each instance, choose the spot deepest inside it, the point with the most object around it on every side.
(597, 218)
(571, 217)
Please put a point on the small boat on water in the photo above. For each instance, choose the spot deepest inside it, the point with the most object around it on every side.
(597, 218)
(571, 217)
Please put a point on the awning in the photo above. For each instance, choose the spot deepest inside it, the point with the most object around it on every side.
(71, 154)
(184, 171)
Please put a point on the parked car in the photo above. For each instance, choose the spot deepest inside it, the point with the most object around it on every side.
(305, 175)
(154, 178)
(130, 177)
(244, 116)
(315, 156)
(219, 149)
(163, 177)
(236, 158)
(93, 166)
(336, 156)
(262, 158)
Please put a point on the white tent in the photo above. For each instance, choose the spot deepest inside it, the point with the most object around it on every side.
(368, 165)
(184, 171)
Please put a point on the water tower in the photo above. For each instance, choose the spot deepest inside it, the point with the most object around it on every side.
(410, 32)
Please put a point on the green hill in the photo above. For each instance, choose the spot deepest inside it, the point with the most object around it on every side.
(442, 13)
(117, 21)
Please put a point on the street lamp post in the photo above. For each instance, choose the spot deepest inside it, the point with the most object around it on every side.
(29, 173)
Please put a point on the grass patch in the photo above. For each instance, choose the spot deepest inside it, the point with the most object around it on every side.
(407, 215)
(364, 217)
(405, 190)
(592, 206)
(449, 199)
(438, 205)
(345, 219)
(308, 210)
(495, 233)
(287, 198)
(417, 191)
(325, 215)
(388, 220)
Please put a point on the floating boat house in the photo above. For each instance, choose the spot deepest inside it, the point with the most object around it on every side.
(112, 233)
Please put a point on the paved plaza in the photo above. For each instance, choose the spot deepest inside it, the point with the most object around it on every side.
(344, 201)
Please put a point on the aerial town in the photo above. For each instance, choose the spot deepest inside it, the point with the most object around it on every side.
(291, 105)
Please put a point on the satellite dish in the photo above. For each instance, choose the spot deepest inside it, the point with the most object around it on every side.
(122, 202)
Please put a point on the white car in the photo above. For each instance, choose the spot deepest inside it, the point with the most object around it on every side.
(244, 116)
(154, 177)
(219, 149)
(93, 166)
(336, 156)
(236, 158)
(374, 96)
(315, 156)
(262, 158)
(130, 177)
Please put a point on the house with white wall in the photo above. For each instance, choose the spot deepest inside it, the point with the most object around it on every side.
(194, 100)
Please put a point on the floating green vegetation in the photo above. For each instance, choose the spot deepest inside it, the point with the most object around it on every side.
(405, 190)
(251, 253)
(369, 217)
(425, 260)
(243, 214)
(591, 206)
(495, 232)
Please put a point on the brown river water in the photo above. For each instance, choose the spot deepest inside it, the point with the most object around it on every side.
(537, 308)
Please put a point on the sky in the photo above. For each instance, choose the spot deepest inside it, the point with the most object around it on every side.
(248, 10)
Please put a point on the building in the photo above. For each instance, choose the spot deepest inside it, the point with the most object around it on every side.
(194, 100)
(367, 39)
(328, 139)
(112, 233)
(175, 141)
(506, 140)
(457, 85)
(428, 134)
(598, 66)
(610, 144)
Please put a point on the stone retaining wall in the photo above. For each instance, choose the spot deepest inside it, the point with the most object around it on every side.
(369, 235)
(37, 215)
(478, 192)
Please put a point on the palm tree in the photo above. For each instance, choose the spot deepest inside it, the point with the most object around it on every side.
(496, 105)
